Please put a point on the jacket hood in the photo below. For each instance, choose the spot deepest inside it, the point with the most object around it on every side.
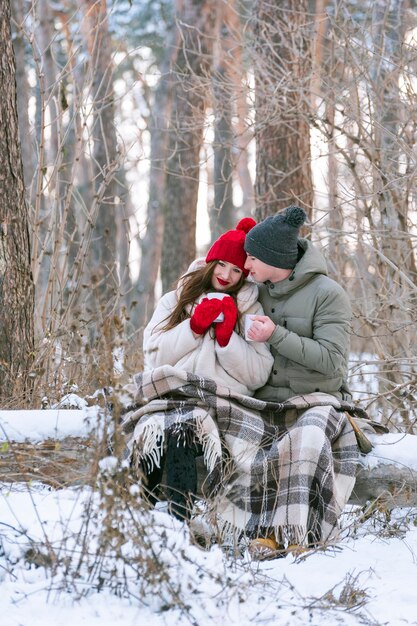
(312, 263)
(246, 297)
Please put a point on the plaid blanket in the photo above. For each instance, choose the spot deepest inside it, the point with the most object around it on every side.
(287, 468)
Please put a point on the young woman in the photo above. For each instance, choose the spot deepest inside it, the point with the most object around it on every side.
(199, 328)
(183, 331)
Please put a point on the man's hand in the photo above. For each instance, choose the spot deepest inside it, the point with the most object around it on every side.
(261, 328)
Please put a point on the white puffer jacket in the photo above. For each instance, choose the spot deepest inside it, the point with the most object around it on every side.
(242, 366)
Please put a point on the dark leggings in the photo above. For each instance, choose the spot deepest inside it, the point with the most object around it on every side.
(181, 476)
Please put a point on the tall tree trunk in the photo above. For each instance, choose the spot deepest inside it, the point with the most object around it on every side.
(45, 40)
(44, 218)
(282, 67)
(335, 214)
(104, 156)
(126, 210)
(222, 215)
(102, 268)
(243, 134)
(197, 23)
(151, 244)
(22, 83)
(70, 147)
(16, 286)
(323, 101)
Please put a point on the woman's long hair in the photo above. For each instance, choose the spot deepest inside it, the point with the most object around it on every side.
(193, 285)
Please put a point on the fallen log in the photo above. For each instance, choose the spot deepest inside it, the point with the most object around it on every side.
(389, 472)
(58, 463)
(58, 447)
(63, 449)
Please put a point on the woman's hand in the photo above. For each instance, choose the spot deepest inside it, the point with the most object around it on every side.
(204, 315)
(225, 329)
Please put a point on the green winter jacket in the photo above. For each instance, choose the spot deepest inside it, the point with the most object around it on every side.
(310, 344)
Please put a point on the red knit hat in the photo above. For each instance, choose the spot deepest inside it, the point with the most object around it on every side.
(229, 246)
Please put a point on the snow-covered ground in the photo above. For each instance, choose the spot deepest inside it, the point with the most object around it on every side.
(58, 566)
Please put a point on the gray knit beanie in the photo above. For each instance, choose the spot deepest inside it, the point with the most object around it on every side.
(274, 240)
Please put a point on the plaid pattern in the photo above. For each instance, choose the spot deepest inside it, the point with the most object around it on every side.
(287, 468)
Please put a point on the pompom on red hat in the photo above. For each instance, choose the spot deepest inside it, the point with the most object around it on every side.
(230, 246)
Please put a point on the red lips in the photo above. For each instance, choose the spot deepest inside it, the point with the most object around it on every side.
(222, 282)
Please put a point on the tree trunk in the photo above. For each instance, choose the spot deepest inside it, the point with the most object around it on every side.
(45, 41)
(71, 145)
(105, 161)
(282, 67)
(126, 210)
(191, 84)
(16, 286)
(222, 215)
(151, 244)
(22, 83)
(243, 133)
(336, 257)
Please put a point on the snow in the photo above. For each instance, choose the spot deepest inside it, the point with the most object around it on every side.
(49, 423)
(392, 448)
(367, 577)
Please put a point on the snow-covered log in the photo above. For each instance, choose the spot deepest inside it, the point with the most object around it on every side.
(59, 447)
(54, 446)
(389, 472)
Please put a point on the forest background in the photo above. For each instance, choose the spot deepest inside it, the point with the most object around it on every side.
(133, 133)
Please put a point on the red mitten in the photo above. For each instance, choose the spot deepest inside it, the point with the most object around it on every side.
(225, 329)
(204, 315)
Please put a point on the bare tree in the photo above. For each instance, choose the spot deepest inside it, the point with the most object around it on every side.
(368, 123)
(222, 216)
(23, 92)
(77, 212)
(151, 243)
(329, 99)
(282, 65)
(190, 91)
(391, 195)
(104, 156)
(16, 286)
(45, 40)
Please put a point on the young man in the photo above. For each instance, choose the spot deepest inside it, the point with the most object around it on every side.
(307, 314)
(307, 324)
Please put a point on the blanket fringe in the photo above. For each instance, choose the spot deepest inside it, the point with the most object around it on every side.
(152, 444)
(290, 535)
(210, 453)
(152, 440)
(210, 442)
(287, 535)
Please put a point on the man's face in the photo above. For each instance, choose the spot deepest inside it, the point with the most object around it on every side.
(262, 272)
(259, 270)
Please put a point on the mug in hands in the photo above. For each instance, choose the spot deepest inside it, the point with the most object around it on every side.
(219, 296)
(248, 324)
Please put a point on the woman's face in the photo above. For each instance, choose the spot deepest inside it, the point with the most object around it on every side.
(225, 276)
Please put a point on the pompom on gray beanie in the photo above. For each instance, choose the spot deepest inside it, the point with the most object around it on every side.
(274, 240)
